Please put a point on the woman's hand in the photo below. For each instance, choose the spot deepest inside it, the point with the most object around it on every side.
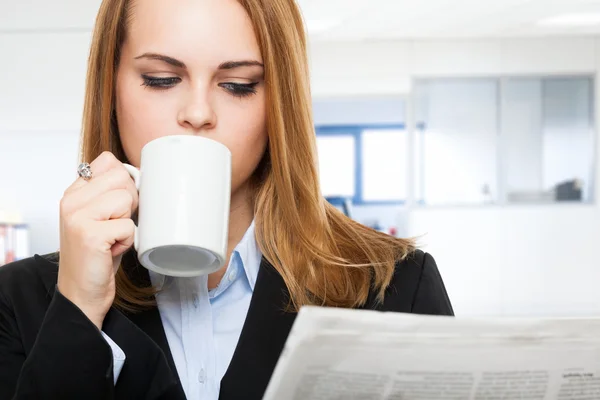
(95, 230)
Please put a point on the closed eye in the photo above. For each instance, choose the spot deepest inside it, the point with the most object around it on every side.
(160, 83)
(240, 89)
(235, 89)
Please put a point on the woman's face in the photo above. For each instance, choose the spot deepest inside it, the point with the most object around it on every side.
(193, 68)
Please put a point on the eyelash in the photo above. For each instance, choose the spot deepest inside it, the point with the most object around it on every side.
(235, 89)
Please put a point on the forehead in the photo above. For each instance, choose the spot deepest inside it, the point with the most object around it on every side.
(204, 31)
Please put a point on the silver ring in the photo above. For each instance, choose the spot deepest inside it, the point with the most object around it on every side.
(85, 171)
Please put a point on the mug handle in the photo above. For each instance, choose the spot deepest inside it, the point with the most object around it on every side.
(135, 175)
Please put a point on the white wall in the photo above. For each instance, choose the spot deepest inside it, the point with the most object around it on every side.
(37, 166)
(496, 261)
(42, 79)
(368, 68)
(516, 260)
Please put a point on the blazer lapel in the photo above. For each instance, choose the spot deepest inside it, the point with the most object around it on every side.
(263, 336)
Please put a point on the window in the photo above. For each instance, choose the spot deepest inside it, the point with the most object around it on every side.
(337, 165)
(367, 164)
(457, 124)
(504, 140)
(363, 149)
(475, 141)
(568, 138)
(384, 165)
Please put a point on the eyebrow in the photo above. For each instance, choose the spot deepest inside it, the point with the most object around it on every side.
(169, 60)
(238, 64)
(179, 64)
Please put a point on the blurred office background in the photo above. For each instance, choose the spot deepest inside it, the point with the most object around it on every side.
(468, 123)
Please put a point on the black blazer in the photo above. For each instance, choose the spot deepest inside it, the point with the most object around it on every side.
(50, 350)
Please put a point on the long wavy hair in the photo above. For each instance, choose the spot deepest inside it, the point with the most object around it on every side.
(324, 257)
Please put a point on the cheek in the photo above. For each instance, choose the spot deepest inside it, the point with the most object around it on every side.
(247, 140)
(140, 119)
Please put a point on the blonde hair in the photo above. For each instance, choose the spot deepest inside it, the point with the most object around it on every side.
(324, 257)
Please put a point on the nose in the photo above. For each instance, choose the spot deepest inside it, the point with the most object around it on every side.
(197, 112)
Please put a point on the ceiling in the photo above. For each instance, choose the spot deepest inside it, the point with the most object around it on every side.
(408, 19)
(336, 20)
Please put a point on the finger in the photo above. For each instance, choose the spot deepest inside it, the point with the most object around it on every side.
(121, 233)
(116, 179)
(102, 164)
(115, 204)
(118, 235)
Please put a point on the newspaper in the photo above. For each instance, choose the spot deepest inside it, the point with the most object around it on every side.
(338, 354)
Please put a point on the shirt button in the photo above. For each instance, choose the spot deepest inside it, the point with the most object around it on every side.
(231, 276)
(202, 376)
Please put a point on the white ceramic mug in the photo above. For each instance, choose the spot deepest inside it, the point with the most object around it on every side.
(184, 185)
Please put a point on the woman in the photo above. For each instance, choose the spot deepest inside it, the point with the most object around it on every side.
(234, 71)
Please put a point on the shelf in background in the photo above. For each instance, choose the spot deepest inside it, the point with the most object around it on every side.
(14, 242)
